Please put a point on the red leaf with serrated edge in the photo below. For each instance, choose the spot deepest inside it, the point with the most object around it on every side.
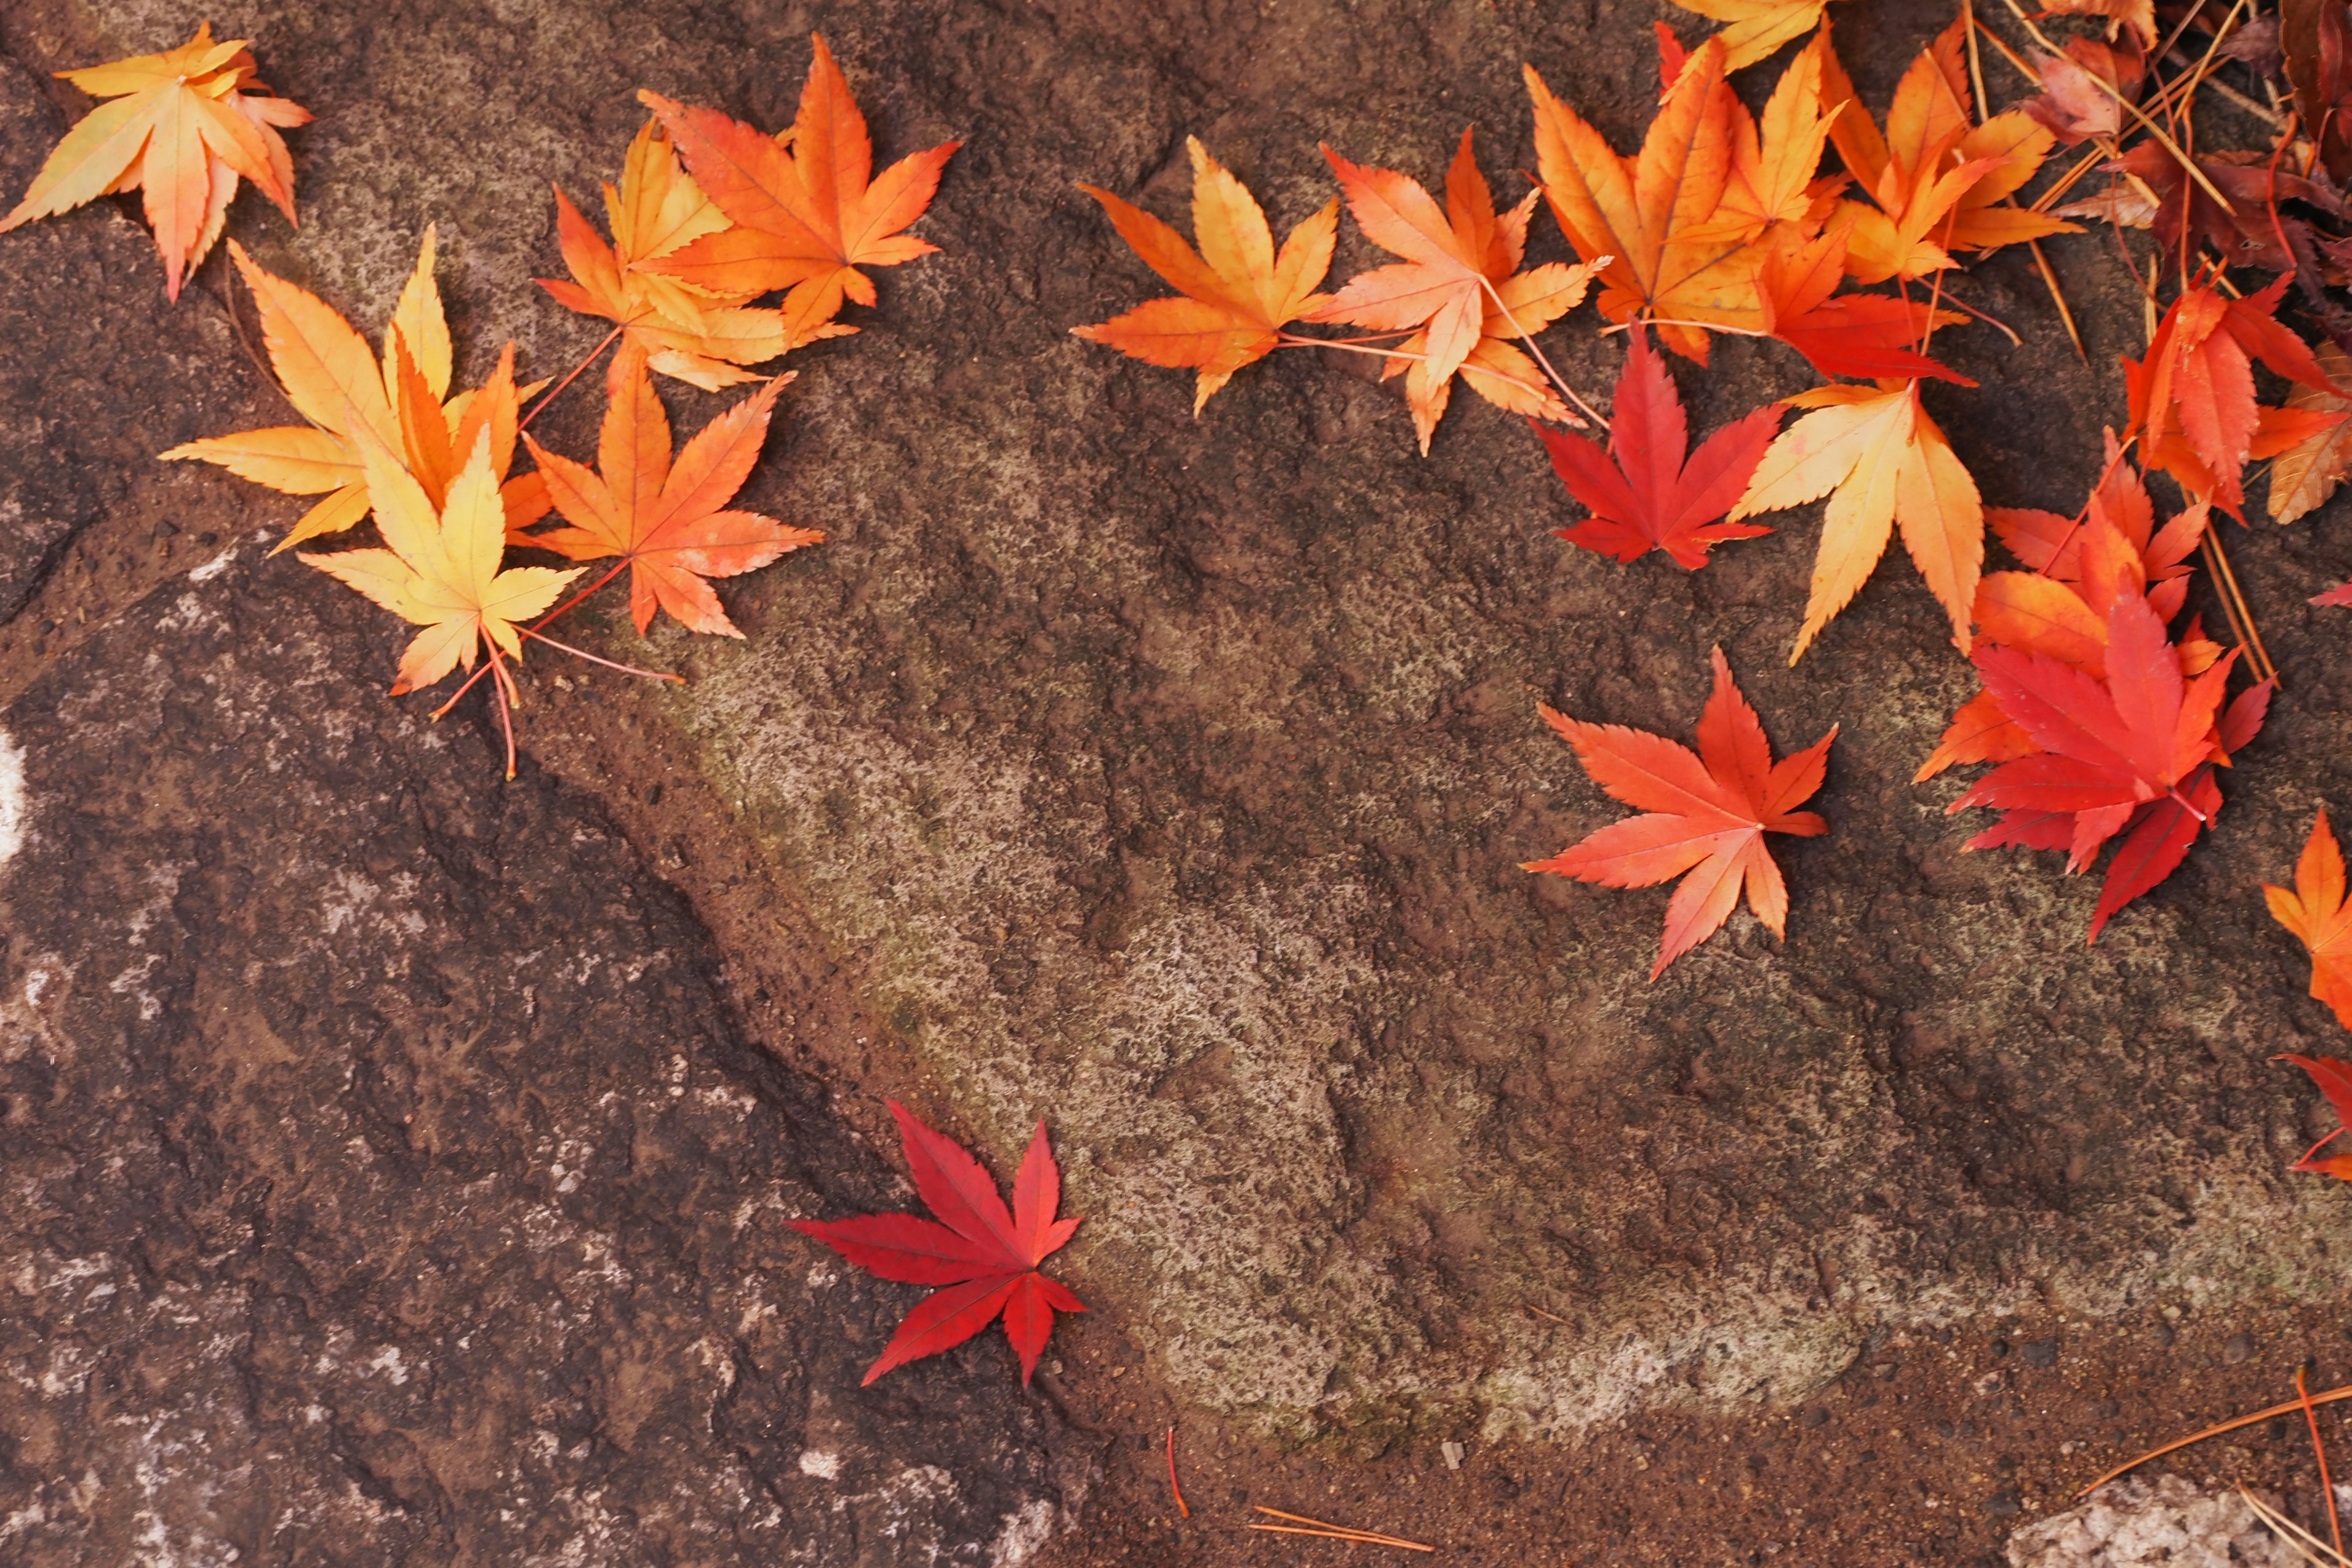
(1873, 336)
(2159, 841)
(985, 1256)
(902, 1247)
(1707, 814)
(1641, 492)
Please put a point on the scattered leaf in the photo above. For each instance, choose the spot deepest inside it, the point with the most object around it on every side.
(1640, 491)
(2316, 913)
(1882, 462)
(1705, 814)
(668, 523)
(2306, 474)
(807, 216)
(181, 128)
(1237, 293)
(1755, 28)
(985, 1258)
(2335, 1080)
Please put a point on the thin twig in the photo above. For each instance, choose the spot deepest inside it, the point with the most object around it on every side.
(541, 408)
(1183, 1510)
(1976, 60)
(592, 658)
(2327, 1487)
(2296, 1539)
(1338, 1532)
(2289, 1408)
(2220, 563)
(2058, 297)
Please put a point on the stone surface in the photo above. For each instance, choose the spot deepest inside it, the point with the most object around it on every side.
(386, 1180)
(2139, 1524)
(1170, 777)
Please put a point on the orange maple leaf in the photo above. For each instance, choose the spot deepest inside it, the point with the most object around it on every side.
(667, 522)
(1237, 294)
(183, 127)
(1648, 222)
(1757, 27)
(1882, 462)
(808, 216)
(1459, 284)
(2315, 912)
(1705, 814)
(351, 398)
(699, 334)
(1934, 177)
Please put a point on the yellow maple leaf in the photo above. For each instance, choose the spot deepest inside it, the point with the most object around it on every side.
(1757, 27)
(1884, 463)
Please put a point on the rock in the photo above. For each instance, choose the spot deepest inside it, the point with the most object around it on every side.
(2039, 1353)
(2166, 1523)
(386, 1181)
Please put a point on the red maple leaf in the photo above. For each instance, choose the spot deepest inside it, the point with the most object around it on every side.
(2134, 750)
(1706, 814)
(2335, 1080)
(985, 1258)
(1641, 492)
(1873, 336)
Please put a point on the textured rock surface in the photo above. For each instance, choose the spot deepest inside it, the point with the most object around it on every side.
(1171, 776)
(386, 1182)
(2166, 1521)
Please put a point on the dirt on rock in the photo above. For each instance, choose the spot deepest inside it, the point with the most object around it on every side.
(1165, 777)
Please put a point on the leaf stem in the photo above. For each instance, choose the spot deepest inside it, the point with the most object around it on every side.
(1529, 337)
(532, 630)
(592, 658)
(541, 406)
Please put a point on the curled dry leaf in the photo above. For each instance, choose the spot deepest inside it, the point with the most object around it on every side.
(700, 335)
(1235, 294)
(1705, 814)
(181, 128)
(2081, 86)
(808, 216)
(2307, 473)
(668, 523)
(1882, 462)
(984, 1258)
(352, 398)
(1458, 287)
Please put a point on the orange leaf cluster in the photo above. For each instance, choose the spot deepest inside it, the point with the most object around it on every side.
(181, 128)
(383, 435)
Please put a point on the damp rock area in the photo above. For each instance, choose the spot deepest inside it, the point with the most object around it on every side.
(397, 1160)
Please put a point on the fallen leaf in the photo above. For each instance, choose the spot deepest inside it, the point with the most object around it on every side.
(698, 334)
(668, 523)
(1640, 491)
(2316, 913)
(807, 217)
(1236, 293)
(1755, 28)
(2139, 15)
(2244, 235)
(1458, 284)
(181, 128)
(985, 1258)
(2335, 1080)
(1648, 222)
(2307, 473)
(2075, 104)
(1874, 335)
(1882, 462)
(352, 398)
(440, 568)
(1705, 814)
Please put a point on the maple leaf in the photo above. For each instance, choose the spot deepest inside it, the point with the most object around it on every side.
(1648, 222)
(2307, 473)
(2192, 395)
(2139, 15)
(1640, 491)
(985, 1258)
(1875, 335)
(667, 521)
(440, 568)
(1237, 293)
(2316, 913)
(1705, 814)
(352, 398)
(1774, 162)
(182, 128)
(1757, 27)
(2335, 1080)
(807, 216)
(2075, 104)
(1933, 175)
(696, 334)
(1459, 284)
(1882, 462)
